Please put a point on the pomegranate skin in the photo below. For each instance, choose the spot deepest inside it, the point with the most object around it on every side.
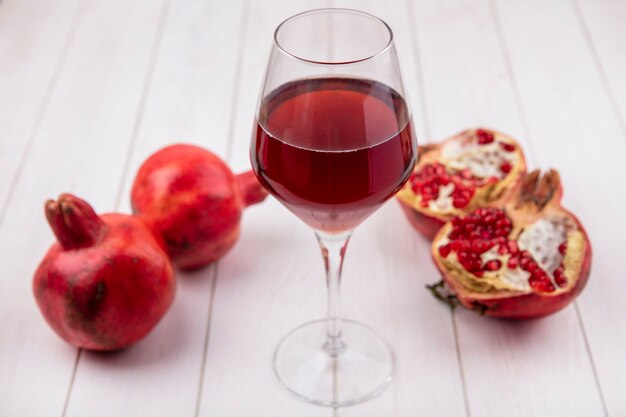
(108, 293)
(427, 225)
(191, 198)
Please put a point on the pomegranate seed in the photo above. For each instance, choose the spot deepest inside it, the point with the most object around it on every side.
(540, 285)
(512, 245)
(503, 223)
(503, 250)
(493, 265)
(500, 241)
(460, 202)
(559, 277)
(563, 248)
(524, 263)
(534, 283)
(530, 267)
(473, 266)
(444, 250)
(466, 193)
(484, 137)
(513, 262)
(482, 246)
(509, 147)
(502, 233)
(506, 167)
(479, 274)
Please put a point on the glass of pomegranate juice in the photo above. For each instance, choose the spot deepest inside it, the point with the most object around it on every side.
(333, 142)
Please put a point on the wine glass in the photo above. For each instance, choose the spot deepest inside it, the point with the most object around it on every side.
(333, 141)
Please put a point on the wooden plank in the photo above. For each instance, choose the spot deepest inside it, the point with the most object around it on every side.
(602, 23)
(33, 36)
(571, 115)
(189, 100)
(465, 78)
(83, 133)
(272, 280)
(386, 269)
(518, 369)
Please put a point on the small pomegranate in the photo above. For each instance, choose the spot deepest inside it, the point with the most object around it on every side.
(192, 199)
(525, 258)
(106, 282)
(472, 169)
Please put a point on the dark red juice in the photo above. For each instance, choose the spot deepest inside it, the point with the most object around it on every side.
(332, 150)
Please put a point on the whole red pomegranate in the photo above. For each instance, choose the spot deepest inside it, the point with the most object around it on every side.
(472, 169)
(191, 197)
(525, 258)
(106, 282)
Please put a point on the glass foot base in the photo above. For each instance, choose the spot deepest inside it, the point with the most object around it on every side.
(361, 371)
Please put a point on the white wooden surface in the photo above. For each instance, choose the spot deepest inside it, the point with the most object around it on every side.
(89, 88)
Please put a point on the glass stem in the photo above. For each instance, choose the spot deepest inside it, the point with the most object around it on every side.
(333, 250)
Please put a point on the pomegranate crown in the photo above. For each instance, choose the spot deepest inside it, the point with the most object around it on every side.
(74, 222)
(537, 191)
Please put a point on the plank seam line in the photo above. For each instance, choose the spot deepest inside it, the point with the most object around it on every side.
(459, 358)
(595, 56)
(511, 74)
(66, 403)
(145, 92)
(229, 149)
(43, 107)
(593, 364)
(125, 170)
(422, 98)
(418, 64)
(237, 78)
(522, 114)
(206, 339)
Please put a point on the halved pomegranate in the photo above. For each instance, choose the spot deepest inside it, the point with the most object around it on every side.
(474, 168)
(526, 258)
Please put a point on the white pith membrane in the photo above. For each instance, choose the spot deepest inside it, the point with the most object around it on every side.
(483, 161)
(443, 203)
(541, 239)
(463, 152)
